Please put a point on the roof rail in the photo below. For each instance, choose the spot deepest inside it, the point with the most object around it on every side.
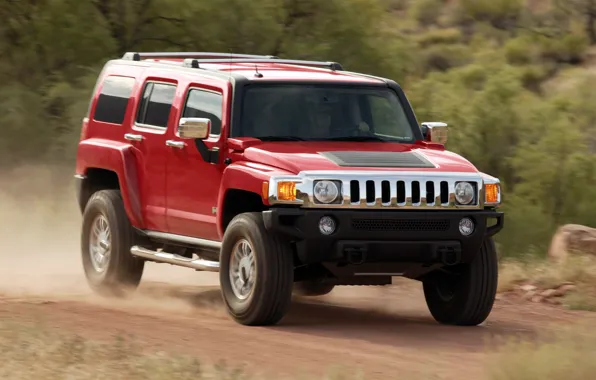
(195, 63)
(135, 56)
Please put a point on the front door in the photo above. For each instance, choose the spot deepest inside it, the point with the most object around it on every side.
(192, 181)
(148, 135)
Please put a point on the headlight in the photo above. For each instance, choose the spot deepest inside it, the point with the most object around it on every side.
(464, 193)
(326, 191)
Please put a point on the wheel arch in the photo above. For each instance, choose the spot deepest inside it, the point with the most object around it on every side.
(238, 201)
(109, 166)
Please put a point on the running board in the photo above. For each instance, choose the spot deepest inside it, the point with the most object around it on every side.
(170, 258)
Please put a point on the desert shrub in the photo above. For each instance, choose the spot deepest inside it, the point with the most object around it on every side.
(426, 11)
(440, 36)
(445, 57)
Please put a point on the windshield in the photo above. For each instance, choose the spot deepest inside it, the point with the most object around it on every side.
(323, 112)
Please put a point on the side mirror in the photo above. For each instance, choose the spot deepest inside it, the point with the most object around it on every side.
(435, 131)
(193, 128)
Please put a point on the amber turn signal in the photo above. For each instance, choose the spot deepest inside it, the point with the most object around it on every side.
(286, 191)
(265, 190)
(492, 192)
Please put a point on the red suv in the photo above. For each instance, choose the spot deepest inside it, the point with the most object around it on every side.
(284, 176)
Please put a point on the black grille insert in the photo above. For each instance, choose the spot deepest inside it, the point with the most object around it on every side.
(404, 225)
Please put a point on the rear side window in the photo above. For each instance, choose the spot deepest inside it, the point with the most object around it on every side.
(113, 99)
(205, 104)
(156, 104)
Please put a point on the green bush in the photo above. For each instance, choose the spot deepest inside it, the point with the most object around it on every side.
(440, 36)
(500, 13)
(520, 51)
(426, 11)
(567, 49)
(445, 57)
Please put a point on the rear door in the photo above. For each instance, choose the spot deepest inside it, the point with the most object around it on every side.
(148, 135)
(192, 180)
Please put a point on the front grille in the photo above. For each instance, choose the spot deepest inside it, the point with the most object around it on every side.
(401, 225)
(403, 192)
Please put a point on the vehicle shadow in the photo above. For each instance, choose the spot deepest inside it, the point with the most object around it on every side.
(411, 327)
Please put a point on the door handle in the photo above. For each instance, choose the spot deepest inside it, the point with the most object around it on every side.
(131, 137)
(176, 144)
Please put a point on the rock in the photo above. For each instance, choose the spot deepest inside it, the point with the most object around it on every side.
(528, 288)
(572, 237)
(553, 301)
(564, 289)
(565, 283)
(536, 299)
(529, 295)
(548, 293)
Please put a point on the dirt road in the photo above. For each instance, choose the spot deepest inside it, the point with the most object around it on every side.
(381, 331)
(386, 332)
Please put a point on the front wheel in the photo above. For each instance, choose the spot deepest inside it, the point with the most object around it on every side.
(256, 272)
(466, 296)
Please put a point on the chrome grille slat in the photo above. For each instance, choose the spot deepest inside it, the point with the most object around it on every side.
(408, 188)
(345, 185)
(393, 193)
(437, 201)
(362, 187)
(378, 193)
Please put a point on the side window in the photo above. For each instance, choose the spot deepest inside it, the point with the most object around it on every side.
(113, 99)
(156, 104)
(200, 103)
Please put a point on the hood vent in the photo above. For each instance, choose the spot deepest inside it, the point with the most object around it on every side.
(378, 159)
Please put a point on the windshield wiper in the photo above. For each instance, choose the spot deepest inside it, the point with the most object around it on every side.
(280, 138)
(355, 138)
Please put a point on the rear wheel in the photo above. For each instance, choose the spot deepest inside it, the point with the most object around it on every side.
(256, 272)
(466, 296)
(106, 239)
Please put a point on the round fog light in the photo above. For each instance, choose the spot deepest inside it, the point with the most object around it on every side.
(327, 225)
(466, 226)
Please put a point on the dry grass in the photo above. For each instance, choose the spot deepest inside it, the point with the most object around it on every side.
(569, 355)
(579, 269)
(32, 352)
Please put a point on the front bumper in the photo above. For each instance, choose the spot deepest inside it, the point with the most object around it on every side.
(425, 237)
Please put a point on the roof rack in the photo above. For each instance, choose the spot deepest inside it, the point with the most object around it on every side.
(195, 59)
(195, 63)
(135, 56)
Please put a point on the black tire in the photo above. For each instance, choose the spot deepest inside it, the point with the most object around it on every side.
(465, 298)
(312, 288)
(123, 272)
(272, 290)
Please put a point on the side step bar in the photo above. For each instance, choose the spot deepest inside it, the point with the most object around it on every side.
(170, 258)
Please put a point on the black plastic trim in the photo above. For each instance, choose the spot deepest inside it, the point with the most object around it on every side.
(411, 244)
(79, 183)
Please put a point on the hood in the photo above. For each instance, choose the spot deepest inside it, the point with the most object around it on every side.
(298, 156)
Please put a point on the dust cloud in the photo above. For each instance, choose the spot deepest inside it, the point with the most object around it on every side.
(40, 238)
(40, 228)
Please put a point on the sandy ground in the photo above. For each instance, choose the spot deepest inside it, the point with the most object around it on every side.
(382, 331)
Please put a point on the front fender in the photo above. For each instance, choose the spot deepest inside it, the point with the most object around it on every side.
(119, 158)
(244, 176)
